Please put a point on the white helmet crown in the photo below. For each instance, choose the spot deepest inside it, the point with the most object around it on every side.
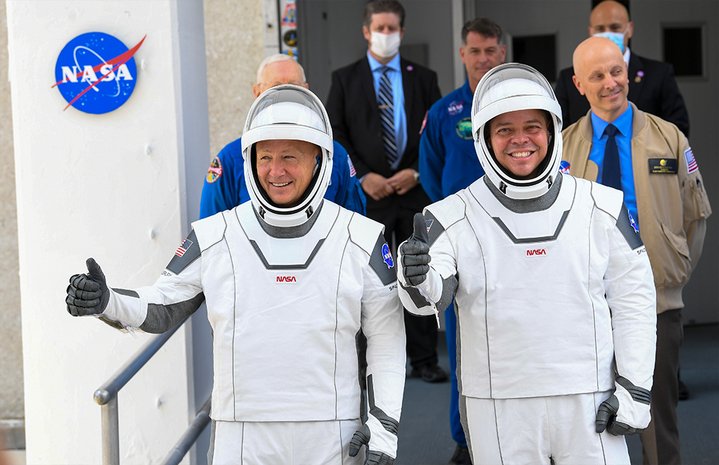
(506, 88)
(287, 112)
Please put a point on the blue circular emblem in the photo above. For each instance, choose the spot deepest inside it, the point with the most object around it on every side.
(387, 256)
(96, 73)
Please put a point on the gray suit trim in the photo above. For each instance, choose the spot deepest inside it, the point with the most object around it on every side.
(638, 394)
(624, 224)
(526, 240)
(449, 287)
(377, 262)
(127, 292)
(417, 298)
(434, 227)
(389, 423)
(161, 318)
(299, 266)
(192, 253)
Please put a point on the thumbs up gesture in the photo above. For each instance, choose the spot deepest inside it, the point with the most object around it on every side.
(87, 293)
(414, 253)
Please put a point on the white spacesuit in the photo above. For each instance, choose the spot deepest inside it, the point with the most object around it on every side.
(287, 289)
(534, 265)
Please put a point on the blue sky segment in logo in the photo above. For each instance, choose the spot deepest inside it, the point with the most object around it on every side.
(96, 73)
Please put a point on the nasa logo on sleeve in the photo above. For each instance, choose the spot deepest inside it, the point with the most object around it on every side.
(96, 73)
(387, 256)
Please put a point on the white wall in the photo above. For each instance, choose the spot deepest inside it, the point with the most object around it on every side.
(87, 187)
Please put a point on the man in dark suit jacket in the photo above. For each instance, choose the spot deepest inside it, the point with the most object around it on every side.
(652, 87)
(391, 182)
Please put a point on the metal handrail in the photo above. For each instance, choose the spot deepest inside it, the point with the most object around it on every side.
(178, 452)
(106, 395)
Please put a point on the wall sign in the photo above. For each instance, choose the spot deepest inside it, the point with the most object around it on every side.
(288, 27)
(96, 73)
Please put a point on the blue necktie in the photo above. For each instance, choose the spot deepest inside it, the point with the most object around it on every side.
(611, 173)
(385, 101)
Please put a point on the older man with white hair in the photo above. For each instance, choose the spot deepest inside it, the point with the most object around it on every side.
(224, 186)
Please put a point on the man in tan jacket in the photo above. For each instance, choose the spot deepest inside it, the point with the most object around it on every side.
(650, 160)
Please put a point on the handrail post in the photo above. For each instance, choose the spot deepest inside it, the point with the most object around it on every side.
(106, 395)
(110, 433)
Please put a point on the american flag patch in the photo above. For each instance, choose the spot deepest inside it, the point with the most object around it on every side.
(186, 244)
(691, 161)
(353, 172)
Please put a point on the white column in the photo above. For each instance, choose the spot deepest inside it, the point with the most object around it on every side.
(113, 186)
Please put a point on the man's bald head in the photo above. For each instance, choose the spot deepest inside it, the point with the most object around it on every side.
(600, 74)
(611, 16)
(276, 70)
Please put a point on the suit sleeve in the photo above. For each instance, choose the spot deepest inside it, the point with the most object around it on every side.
(673, 108)
(631, 296)
(383, 325)
(349, 192)
(437, 291)
(432, 156)
(221, 188)
(174, 296)
(336, 110)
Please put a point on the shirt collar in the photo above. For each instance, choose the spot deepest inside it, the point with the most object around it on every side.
(623, 123)
(374, 65)
(627, 56)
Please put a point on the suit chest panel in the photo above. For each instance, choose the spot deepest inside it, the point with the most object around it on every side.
(258, 281)
(515, 261)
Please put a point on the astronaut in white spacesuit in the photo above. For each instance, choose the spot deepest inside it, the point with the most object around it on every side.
(552, 286)
(289, 279)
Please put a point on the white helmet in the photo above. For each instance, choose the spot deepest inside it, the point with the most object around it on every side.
(511, 87)
(287, 112)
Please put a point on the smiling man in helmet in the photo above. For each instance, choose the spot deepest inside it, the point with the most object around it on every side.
(289, 279)
(534, 261)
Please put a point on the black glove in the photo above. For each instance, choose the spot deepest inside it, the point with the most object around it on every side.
(361, 438)
(607, 418)
(87, 293)
(415, 253)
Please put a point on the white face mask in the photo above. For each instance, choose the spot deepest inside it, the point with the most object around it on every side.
(616, 37)
(384, 45)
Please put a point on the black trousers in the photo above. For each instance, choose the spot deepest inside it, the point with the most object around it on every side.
(660, 441)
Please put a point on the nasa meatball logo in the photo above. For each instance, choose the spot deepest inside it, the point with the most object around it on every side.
(387, 256)
(96, 73)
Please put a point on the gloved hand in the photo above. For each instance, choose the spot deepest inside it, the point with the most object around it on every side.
(626, 411)
(414, 253)
(87, 293)
(362, 438)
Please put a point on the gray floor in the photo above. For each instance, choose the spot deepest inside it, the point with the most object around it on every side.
(424, 437)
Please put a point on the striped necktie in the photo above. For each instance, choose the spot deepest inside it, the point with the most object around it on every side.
(385, 101)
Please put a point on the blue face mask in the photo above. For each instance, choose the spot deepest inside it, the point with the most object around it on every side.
(616, 37)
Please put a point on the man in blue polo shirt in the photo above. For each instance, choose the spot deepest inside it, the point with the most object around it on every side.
(224, 186)
(448, 163)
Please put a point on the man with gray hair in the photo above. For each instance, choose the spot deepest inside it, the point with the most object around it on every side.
(224, 186)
